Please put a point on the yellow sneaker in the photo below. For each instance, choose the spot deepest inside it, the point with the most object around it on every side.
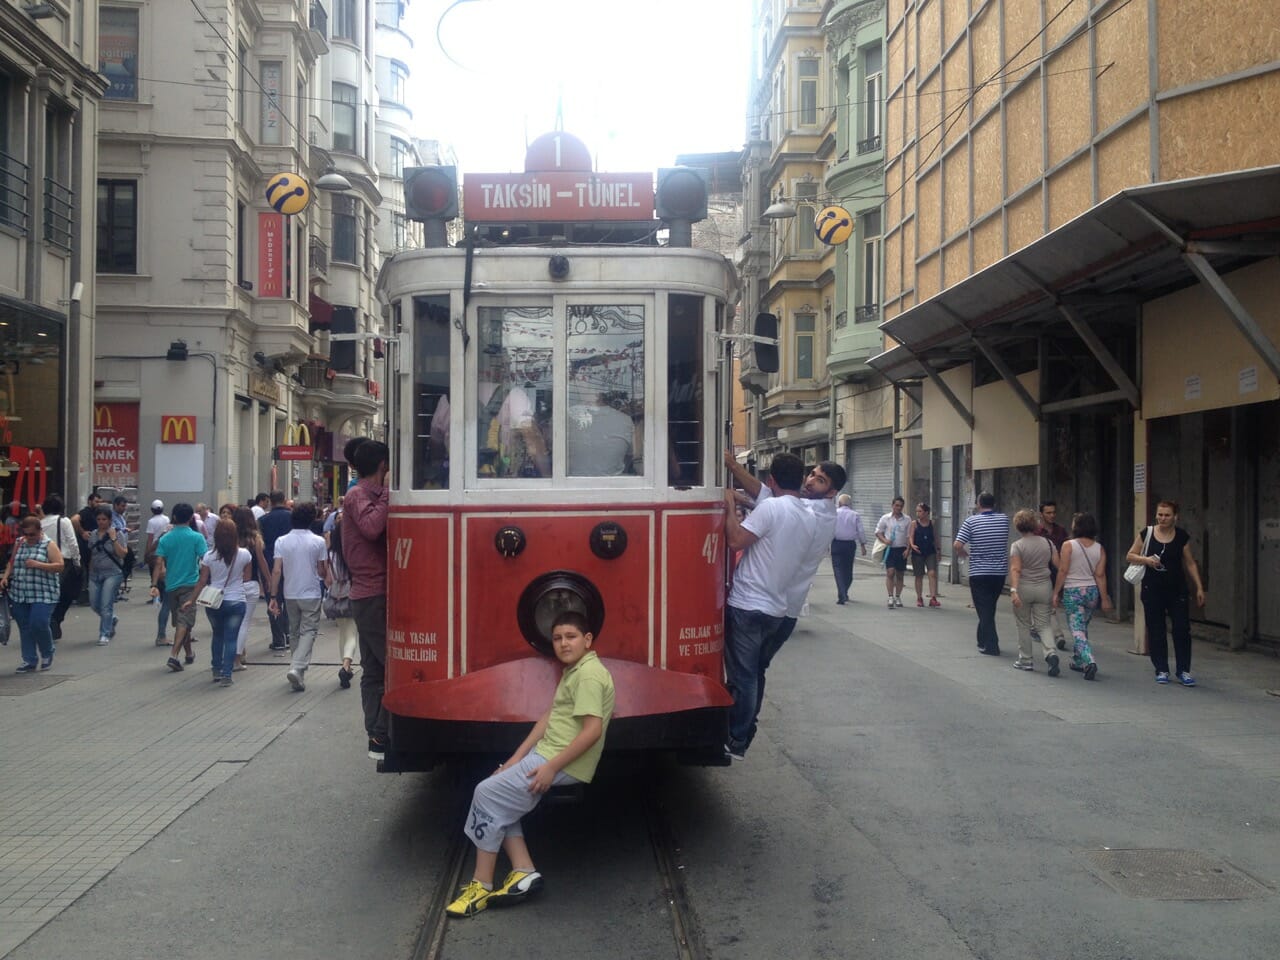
(470, 901)
(518, 885)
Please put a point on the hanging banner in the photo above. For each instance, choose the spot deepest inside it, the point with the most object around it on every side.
(270, 255)
(115, 445)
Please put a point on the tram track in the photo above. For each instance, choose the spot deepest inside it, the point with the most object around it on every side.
(646, 812)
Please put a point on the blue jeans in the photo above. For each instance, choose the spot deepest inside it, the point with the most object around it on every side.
(164, 614)
(102, 598)
(225, 622)
(746, 634)
(33, 625)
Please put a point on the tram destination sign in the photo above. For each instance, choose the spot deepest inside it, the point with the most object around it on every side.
(557, 196)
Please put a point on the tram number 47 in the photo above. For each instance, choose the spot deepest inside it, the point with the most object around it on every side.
(404, 547)
(710, 547)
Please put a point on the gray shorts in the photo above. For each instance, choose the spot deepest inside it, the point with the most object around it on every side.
(501, 800)
(183, 616)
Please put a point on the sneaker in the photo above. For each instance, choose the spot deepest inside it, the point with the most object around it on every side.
(897, 601)
(1186, 679)
(295, 680)
(174, 664)
(919, 601)
(1078, 668)
(225, 681)
(377, 749)
(518, 885)
(1091, 671)
(735, 753)
(26, 668)
(114, 621)
(344, 677)
(103, 640)
(1024, 663)
(470, 901)
(190, 658)
(1052, 662)
(1061, 643)
(47, 663)
(933, 602)
(891, 603)
(1162, 676)
(162, 641)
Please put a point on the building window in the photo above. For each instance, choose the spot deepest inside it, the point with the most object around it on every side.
(272, 118)
(118, 51)
(869, 231)
(344, 230)
(808, 73)
(301, 116)
(117, 226)
(344, 117)
(871, 99)
(242, 86)
(13, 172)
(241, 220)
(57, 179)
(805, 323)
(399, 82)
(806, 211)
(345, 19)
(399, 231)
(401, 156)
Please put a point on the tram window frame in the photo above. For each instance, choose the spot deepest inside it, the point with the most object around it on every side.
(686, 346)
(432, 409)
(537, 449)
(578, 417)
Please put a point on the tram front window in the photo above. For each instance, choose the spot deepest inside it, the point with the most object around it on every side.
(514, 392)
(604, 408)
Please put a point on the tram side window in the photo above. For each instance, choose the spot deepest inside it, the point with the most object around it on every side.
(431, 392)
(685, 429)
(514, 385)
(604, 409)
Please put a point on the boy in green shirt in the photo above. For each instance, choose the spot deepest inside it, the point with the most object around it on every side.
(563, 747)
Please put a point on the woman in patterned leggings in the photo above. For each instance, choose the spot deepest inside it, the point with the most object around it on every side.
(1082, 587)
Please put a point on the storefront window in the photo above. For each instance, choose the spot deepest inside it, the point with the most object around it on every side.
(514, 427)
(604, 408)
(30, 388)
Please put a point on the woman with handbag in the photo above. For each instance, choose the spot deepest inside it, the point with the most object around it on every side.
(250, 538)
(337, 603)
(224, 571)
(59, 529)
(32, 580)
(1165, 551)
(107, 548)
(1082, 588)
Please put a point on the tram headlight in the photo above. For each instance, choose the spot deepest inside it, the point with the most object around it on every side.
(549, 595)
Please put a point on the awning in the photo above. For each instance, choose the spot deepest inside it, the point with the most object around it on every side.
(321, 313)
(1140, 244)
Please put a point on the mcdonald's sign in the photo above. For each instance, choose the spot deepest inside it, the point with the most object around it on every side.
(115, 445)
(297, 443)
(177, 428)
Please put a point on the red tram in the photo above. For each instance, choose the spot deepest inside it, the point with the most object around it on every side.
(556, 399)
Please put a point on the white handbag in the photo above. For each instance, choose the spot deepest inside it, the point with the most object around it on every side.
(1136, 571)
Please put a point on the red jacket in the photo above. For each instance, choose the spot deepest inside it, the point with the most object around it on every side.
(364, 538)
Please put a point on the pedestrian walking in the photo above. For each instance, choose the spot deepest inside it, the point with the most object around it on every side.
(337, 603)
(848, 537)
(984, 538)
(178, 563)
(300, 567)
(1165, 550)
(1031, 588)
(1082, 588)
(33, 582)
(1057, 535)
(226, 567)
(892, 532)
(59, 528)
(923, 546)
(274, 524)
(107, 549)
(259, 582)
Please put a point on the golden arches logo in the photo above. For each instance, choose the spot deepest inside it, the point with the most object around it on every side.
(177, 429)
(297, 434)
(102, 417)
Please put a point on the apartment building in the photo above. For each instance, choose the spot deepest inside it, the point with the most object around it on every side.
(1081, 233)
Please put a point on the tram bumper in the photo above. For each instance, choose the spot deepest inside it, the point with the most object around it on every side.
(489, 711)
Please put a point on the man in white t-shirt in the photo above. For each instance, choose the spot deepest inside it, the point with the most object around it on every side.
(299, 565)
(157, 527)
(775, 540)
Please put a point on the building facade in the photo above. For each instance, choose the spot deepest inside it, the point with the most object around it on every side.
(49, 95)
(1081, 275)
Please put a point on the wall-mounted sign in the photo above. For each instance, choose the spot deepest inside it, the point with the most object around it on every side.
(270, 255)
(115, 445)
(177, 428)
(521, 197)
(264, 387)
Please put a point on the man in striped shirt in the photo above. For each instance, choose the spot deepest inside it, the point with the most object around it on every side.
(984, 537)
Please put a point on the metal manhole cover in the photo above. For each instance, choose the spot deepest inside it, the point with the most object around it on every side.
(15, 685)
(1173, 875)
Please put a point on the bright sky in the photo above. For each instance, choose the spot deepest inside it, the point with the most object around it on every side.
(639, 83)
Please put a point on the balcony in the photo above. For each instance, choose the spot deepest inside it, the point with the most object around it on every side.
(867, 313)
(340, 393)
(317, 36)
(869, 145)
(318, 255)
(57, 213)
(13, 191)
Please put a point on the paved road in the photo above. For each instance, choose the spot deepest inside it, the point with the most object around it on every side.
(907, 798)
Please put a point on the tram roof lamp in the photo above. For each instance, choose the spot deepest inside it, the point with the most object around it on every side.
(177, 350)
(332, 181)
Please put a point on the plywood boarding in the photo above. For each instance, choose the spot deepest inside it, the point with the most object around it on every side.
(909, 253)
(929, 29)
(1004, 432)
(1066, 21)
(955, 91)
(929, 200)
(1021, 45)
(942, 426)
(894, 10)
(1231, 127)
(1067, 77)
(1024, 136)
(892, 265)
(869, 410)
(984, 43)
(929, 277)
(1194, 358)
(894, 118)
(955, 175)
(1070, 191)
(929, 103)
(1124, 158)
(1026, 220)
(893, 194)
(988, 242)
(988, 179)
(895, 58)
(911, 111)
(908, 195)
(955, 261)
(955, 15)
(1199, 41)
(1121, 56)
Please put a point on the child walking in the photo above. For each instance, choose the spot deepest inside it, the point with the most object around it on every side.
(563, 747)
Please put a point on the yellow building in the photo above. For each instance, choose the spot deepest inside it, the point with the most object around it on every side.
(1081, 279)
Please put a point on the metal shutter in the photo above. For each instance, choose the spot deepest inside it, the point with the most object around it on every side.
(870, 468)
